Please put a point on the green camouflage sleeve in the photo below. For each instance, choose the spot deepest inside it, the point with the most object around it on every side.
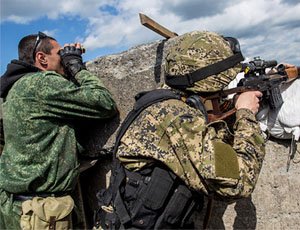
(62, 98)
(249, 147)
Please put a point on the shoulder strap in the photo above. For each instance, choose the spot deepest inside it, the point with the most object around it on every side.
(144, 100)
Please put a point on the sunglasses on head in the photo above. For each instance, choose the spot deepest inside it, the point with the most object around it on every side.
(38, 40)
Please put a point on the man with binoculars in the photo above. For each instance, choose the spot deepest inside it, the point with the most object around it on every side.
(46, 93)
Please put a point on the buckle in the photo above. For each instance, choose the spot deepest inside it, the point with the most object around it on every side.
(180, 81)
(189, 79)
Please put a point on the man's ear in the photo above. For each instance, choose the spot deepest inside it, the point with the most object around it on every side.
(41, 59)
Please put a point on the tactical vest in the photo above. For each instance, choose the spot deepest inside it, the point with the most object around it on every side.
(152, 198)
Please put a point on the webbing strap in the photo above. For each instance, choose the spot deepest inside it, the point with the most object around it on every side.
(188, 80)
(144, 101)
(121, 209)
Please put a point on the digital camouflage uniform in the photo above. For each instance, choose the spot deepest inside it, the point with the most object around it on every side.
(40, 152)
(207, 157)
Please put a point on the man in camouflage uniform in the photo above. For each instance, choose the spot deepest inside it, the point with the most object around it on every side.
(46, 93)
(208, 158)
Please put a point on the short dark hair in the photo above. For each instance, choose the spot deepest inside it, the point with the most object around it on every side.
(26, 46)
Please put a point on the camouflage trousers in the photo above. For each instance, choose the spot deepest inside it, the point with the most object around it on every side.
(10, 212)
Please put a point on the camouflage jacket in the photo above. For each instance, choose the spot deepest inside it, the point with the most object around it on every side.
(207, 157)
(39, 116)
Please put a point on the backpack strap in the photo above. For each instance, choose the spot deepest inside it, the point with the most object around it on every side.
(143, 100)
(106, 196)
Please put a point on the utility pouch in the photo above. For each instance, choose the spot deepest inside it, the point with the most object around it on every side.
(177, 205)
(150, 197)
(47, 213)
(159, 188)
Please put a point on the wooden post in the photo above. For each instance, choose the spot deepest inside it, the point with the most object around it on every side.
(152, 25)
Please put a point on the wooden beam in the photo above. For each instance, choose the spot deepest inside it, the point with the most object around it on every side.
(152, 25)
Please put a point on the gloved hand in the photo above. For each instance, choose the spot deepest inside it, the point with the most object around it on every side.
(71, 60)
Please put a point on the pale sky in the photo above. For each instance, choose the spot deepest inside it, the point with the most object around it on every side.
(266, 28)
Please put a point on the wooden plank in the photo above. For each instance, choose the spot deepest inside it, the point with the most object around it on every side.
(152, 25)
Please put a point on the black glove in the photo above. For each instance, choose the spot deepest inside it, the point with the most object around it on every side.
(71, 60)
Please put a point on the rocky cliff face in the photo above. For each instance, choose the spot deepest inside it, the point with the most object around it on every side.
(275, 203)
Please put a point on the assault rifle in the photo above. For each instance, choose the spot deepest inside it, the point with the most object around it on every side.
(255, 78)
(255, 74)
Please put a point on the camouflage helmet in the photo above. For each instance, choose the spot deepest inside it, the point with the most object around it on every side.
(196, 50)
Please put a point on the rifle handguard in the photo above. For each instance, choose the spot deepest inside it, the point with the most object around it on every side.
(293, 72)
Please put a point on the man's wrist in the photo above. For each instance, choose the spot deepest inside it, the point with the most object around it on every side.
(245, 113)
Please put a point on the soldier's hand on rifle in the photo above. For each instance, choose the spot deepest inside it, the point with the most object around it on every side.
(248, 100)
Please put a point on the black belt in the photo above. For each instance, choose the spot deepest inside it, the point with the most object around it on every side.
(24, 197)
